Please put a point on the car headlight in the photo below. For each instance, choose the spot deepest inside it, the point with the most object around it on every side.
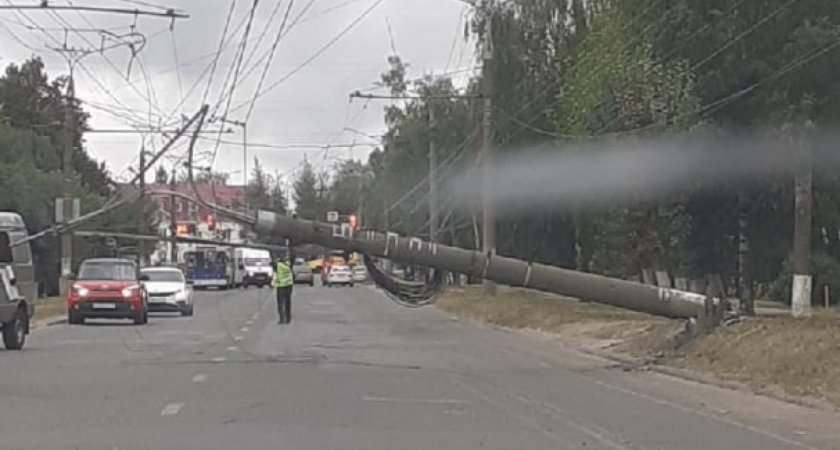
(182, 294)
(81, 291)
(130, 291)
(250, 273)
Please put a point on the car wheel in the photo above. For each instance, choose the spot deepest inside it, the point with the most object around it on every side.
(188, 311)
(75, 318)
(141, 317)
(14, 331)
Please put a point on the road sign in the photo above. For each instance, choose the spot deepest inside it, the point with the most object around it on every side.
(332, 216)
(66, 209)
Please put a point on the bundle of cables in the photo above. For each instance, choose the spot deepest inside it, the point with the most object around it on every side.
(406, 293)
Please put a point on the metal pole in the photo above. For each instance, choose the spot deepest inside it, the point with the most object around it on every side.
(801, 289)
(489, 210)
(433, 189)
(245, 154)
(173, 226)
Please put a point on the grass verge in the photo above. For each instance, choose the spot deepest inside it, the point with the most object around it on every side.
(773, 353)
(49, 307)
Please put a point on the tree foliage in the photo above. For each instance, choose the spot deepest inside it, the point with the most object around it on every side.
(31, 145)
(573, 71)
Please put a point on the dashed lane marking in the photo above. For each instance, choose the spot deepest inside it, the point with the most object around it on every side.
(237, 338)
(219, 359)
(433, 401)
(171, 409)
(199, 378)
(244, 329)
(232, 348)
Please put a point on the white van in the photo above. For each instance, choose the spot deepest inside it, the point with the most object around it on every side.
(17, 282)
(252, 267)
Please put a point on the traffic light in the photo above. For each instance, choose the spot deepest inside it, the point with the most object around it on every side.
(354, 221)
(211, 222)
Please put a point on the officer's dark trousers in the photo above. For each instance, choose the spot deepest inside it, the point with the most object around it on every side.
(284, 304)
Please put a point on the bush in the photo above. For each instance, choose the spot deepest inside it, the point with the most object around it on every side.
(825, 270)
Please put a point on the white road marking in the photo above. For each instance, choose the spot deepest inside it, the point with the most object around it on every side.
(232, 348)
(433, 401)
(244, 329)
(237, 338)
(249, 322)
(255, 316)
(171, 409)
(219, 359)
(199, 378)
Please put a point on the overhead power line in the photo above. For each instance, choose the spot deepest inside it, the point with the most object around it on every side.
(317, 53)
(171, 13)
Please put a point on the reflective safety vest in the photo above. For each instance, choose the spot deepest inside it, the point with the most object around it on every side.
(282, 276)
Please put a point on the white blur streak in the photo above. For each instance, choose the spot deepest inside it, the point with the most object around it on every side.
(609, 173)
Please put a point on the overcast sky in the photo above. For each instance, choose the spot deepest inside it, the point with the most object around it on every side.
(309, 108)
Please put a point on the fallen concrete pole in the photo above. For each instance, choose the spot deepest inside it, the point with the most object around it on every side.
(660, 301)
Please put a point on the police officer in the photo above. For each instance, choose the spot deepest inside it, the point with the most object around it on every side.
(282, 282)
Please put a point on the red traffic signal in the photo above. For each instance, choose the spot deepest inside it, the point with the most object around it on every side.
(354, 221)
(211, 222)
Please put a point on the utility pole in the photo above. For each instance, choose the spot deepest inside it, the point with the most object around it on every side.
(489, 208)
(802, 282)
(433, 190)
(173, 223)
(67, 172)
(142, 172)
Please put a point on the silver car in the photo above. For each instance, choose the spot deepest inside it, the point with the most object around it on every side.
(302, 273)
(168, 290)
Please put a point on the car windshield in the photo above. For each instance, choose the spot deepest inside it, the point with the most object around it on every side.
(257, 262)
(107, 270)
(164, 276)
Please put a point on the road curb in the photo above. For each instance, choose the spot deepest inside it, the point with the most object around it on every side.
(48, 322)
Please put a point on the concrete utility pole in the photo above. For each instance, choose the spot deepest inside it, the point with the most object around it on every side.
(802, 283)
(489, 207)
(67, 172)
(413, 251)
(433, 188)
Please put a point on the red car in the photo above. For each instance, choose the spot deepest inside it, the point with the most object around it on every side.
(107, 288)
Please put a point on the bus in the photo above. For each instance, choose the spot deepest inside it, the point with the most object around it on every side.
(209, 267)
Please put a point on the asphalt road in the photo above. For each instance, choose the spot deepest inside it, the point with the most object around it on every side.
(355, 371)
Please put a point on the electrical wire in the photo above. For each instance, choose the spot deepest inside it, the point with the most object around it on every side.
(318, 53)
(236, 72)
(215, 62)
(177, 63)
(270, 59)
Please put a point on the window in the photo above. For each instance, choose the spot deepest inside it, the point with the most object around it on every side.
(21, 252)
(107, 270)
(167, 276)
(179, 206)
(5, 250)
(193, 207)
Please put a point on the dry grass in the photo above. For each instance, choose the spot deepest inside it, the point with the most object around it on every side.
(49, 307)
(771, 353)
(587, 324)
(800, 356)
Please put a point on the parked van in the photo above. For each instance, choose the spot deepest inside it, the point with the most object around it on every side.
(17, 282)
(253, 267)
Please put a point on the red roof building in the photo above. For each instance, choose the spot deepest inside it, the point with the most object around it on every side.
(185, 211)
